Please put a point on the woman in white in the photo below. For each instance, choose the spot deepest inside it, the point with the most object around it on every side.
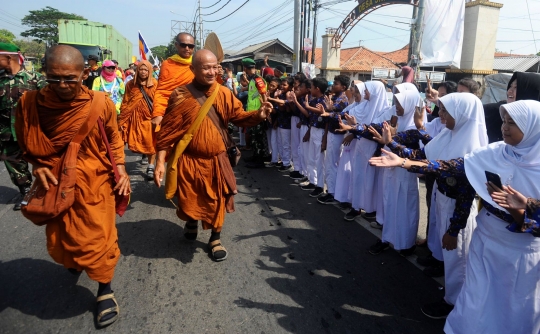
(343, 178)
(400, 204)
(364, 176)
(501, 293)
(455, 207)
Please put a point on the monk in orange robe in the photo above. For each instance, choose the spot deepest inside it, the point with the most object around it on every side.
(135, 117)
(205, 181)
(174, 73)
(84, 237)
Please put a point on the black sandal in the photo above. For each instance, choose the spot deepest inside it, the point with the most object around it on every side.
(191, 229)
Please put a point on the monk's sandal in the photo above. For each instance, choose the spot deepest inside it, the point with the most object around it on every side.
(114, 309)
(219, 253)
(191, 231)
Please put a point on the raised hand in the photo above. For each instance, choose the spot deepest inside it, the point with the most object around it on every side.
(387, 133)
(265, 110)
(351, 120)
(322, 110)
(431, 94)
(291, 97)
(419, 118)
(389, 159)
(328, 102)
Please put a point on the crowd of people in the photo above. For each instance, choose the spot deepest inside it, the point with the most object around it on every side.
(345, 143)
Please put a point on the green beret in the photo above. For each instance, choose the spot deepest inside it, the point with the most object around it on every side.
(248, 62)
(9, 47)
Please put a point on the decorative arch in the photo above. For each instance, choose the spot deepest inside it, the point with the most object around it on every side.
(363, 8)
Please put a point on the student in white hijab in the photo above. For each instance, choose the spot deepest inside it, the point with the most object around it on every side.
(343, 178)
(364, 176)
(455, 207)
(501, 293)
(400, 210)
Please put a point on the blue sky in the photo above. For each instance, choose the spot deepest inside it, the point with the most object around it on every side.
(153, 18)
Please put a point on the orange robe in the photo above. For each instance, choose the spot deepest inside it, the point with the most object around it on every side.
(85, 236)
(203, 191)
(174, 73)
(135, 118)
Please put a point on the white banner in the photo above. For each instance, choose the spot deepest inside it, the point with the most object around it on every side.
(442, 38)
(309, 70)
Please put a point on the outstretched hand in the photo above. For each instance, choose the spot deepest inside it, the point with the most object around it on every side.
(123, 185)
(508, 197)
(265, 110)
(376, 135)
(389, 159)
(344, 126)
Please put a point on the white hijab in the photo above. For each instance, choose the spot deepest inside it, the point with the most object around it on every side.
(376, 103)
(408, 99)
(405, 86)
(469, 132)
(518, 166)
(357, 108)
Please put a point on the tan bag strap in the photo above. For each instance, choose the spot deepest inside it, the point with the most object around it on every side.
(212, 114)
(93, 115)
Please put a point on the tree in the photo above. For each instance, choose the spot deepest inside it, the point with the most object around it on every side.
(44, 23)
(6, 36)
(30, 48)
(159, 52)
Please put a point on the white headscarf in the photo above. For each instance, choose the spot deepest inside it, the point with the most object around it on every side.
(405, 86)
(376, 103)
(518, 166)
(358, 107)
(469, 132)
(408, 99)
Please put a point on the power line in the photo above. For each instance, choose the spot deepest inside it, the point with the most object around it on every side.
(261, 28)
(242, 5)
(211, 5)
(218, 9)
(530, 21)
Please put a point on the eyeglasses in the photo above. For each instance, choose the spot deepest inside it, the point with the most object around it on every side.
(184, 45)
(66, 81)
(110, 67)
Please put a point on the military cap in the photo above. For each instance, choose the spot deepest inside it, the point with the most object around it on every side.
(93, 57)
(9, 48)
(248, 62)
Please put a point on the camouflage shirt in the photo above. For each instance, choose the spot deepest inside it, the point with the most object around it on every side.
(11, 89)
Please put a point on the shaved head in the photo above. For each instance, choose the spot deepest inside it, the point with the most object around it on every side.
(204, 56)
(205, 67)
(184, 34)
(64, 55)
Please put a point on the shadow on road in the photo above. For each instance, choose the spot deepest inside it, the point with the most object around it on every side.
(7, 194)
(155, 239)
(42, 289)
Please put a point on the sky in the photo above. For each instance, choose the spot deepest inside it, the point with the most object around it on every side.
(386, 29)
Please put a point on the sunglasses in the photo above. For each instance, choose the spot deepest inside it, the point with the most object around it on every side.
(67, 82)
(184, 45)
(110, 67)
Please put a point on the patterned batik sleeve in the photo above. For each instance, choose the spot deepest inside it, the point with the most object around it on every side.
(532, 217)
(441, 168)
(412, 136)
(462, 209)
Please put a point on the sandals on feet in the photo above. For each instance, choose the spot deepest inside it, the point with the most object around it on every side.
(114, 309)
(191, 231)
(219, 253)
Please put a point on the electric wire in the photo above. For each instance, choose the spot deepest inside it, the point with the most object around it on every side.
(530, 21)
(218, 9)
(242, 5)
(211, 5)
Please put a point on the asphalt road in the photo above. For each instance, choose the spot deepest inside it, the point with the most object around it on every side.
(294, 266)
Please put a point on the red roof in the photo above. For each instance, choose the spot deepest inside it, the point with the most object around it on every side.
(361, 59)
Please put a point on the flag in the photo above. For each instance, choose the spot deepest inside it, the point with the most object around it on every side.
(143, 48)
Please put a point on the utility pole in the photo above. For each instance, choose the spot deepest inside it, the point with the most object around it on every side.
(308, 5)
(296, 39)
(314, 41)
(417, 38)
(201, 41)
(303, 31)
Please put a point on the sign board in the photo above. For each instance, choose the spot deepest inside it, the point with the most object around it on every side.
(434, 76)
(308, 70)
(383, 73)
(307, 44)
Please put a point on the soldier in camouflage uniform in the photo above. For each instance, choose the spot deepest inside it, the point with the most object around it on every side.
(258, 132)
(14, 81)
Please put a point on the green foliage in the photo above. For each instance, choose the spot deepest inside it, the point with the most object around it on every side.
(171, 49)
(31, 48)
(44, 24)
(159, 52)
(6, 36)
